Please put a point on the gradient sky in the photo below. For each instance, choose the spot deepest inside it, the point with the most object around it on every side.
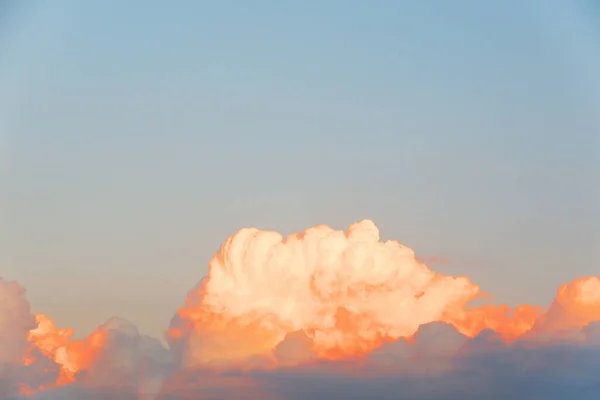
(136, 136)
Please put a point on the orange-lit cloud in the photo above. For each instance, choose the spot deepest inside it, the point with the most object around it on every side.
(296, 317)
(349, 292)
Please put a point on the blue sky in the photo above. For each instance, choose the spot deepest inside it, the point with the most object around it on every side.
(137, 136)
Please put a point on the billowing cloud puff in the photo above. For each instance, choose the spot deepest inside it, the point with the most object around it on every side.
(15, 322)
(347, 291)
(114, 359)
(576, 304)
(127, 358)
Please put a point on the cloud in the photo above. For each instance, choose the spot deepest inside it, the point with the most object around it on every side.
(336, 286)
(438, 364)
(15, 322)
(115, 359)
(128, 358)
(576, 304)
(321, 314)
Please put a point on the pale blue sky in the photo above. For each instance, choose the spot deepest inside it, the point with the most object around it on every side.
(136, 136)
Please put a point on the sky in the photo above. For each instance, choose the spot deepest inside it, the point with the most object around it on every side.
(135, 137)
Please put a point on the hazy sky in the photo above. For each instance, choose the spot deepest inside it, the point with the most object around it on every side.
(136, 136)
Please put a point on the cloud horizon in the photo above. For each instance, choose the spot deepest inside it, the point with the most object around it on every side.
(316, 314)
